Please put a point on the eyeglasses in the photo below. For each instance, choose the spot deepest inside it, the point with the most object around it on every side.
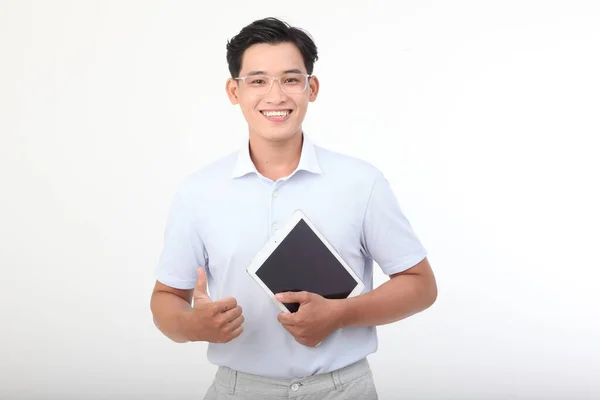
(259, 85)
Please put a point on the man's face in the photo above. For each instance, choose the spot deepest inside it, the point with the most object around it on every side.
(274, 116)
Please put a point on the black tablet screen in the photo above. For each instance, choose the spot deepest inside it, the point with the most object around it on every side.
(303, 262)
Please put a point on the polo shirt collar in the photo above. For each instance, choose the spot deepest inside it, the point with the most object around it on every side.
(308, 160)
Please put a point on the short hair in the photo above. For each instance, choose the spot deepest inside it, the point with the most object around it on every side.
(272, 31)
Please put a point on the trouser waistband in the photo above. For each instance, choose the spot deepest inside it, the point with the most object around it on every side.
(236, 381)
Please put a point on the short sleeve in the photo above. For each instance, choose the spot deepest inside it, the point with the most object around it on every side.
(183, 250)
(388, 237)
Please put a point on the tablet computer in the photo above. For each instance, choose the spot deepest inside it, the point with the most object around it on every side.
(299, 258)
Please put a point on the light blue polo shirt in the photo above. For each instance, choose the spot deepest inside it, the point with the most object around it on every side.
(223, 214)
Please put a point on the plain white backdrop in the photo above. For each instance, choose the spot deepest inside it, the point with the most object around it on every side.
(484, 116)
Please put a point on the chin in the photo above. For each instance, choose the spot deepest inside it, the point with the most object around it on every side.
(277, 135)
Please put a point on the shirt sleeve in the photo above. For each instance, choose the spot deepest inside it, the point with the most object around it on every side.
(388, 237)
(183, 250)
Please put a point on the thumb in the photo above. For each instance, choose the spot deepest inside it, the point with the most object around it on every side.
(200, 290)
(293, 297)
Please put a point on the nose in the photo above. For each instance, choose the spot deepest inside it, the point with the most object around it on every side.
(275, 95)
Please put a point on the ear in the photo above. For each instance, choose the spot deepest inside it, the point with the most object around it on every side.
(232, 88)
(313, 87)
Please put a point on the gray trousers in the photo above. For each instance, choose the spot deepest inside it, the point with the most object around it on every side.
(349, 383)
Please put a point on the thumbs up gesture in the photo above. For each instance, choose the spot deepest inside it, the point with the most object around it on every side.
(212, 321)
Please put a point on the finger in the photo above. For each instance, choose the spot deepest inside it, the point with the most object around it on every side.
(225, 304)
(293, 297)
(232, 325)
(289, 324)
(291, 329)
(232, 314)
(200, 290)
(307, 340)
(286, 318)
(302, 340)
(235, 333)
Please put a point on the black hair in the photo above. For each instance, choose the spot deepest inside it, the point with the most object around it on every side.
(272, 31)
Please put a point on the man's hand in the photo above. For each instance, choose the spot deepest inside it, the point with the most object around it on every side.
(212, 321)
(314, 321)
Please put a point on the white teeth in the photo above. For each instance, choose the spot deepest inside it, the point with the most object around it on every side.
(276, 113)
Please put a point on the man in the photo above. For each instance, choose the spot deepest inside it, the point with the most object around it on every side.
(223, 214)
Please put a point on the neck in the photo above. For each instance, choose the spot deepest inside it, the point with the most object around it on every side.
(275, 160)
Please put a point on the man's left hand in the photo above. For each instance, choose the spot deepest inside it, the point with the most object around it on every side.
(314, 321)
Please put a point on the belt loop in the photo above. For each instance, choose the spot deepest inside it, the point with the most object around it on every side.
(232, 380)
(337, 383)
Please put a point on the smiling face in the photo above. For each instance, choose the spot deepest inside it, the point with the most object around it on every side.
(275, 116)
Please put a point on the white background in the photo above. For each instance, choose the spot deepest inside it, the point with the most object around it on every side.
(484, 116)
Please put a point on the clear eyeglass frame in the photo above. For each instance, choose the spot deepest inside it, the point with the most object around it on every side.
(272, 79)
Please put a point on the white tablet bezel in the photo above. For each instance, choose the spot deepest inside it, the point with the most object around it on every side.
(277, 238)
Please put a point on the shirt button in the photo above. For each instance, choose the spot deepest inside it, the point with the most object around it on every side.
(295, 387)
(275, 194)
(275, 226)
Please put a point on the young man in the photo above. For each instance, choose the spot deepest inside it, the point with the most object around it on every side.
(223, 214)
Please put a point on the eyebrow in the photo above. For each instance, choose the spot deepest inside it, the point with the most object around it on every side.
(288, 71)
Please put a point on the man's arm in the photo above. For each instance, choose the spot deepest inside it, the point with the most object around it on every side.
(389, 240)
(206, 320)
(169, 306)
(405, 294)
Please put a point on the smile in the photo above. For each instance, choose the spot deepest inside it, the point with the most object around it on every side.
(276, 115)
